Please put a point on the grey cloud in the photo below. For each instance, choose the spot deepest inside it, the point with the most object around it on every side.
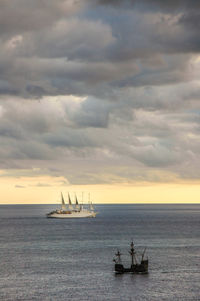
(10, 130)
(33, 150)
(35, 90)
(5, 88)
(84, 56)
(156, 155)
(27, 15)
(70, 139)
(174, 71)
(73, 38)
(168, 5)
(138, 81)
(92, 113)
(191, 20)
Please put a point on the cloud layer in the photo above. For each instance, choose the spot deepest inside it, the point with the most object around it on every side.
(101, 91)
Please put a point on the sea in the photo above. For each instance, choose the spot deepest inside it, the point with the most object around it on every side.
(72, 259)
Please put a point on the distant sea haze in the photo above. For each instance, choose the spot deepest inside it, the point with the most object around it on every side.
(59, 260)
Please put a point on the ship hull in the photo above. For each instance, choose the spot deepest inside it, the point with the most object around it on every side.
(72, 215)
(141, 268)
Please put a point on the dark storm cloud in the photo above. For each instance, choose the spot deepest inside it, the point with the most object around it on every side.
(168, 5)
(68, 47)
(191, 22)
(35, 90)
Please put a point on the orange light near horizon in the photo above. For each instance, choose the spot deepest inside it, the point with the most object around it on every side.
(35, 190)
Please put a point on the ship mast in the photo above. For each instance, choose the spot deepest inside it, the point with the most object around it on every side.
(143, 254)
(132, 253)
(118, 256)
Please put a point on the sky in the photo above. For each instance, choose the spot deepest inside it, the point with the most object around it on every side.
(102, 97)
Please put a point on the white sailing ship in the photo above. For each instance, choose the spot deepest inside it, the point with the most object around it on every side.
(72, 210)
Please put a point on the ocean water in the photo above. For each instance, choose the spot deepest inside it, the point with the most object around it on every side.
(60, 259)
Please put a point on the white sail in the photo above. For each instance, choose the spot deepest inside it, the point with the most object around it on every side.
(63, 206)
(77, 206)
(70, 203)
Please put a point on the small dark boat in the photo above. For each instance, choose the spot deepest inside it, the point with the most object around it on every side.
(136, 267)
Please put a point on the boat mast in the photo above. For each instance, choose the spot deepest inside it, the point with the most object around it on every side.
(132, 253)
(118, 256)
(143, 254)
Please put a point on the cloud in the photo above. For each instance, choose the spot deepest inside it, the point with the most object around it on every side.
(150, 139)
(27, 16)
(155, 5)
(20, 186)
(83, 50)
(100, 92)
(42, 185)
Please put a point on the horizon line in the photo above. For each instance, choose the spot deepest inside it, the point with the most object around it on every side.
(166, 203)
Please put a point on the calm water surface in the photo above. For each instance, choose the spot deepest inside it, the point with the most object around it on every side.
(53, 259)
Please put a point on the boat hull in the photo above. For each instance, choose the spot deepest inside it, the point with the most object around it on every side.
(141, 268)
(72, 215)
